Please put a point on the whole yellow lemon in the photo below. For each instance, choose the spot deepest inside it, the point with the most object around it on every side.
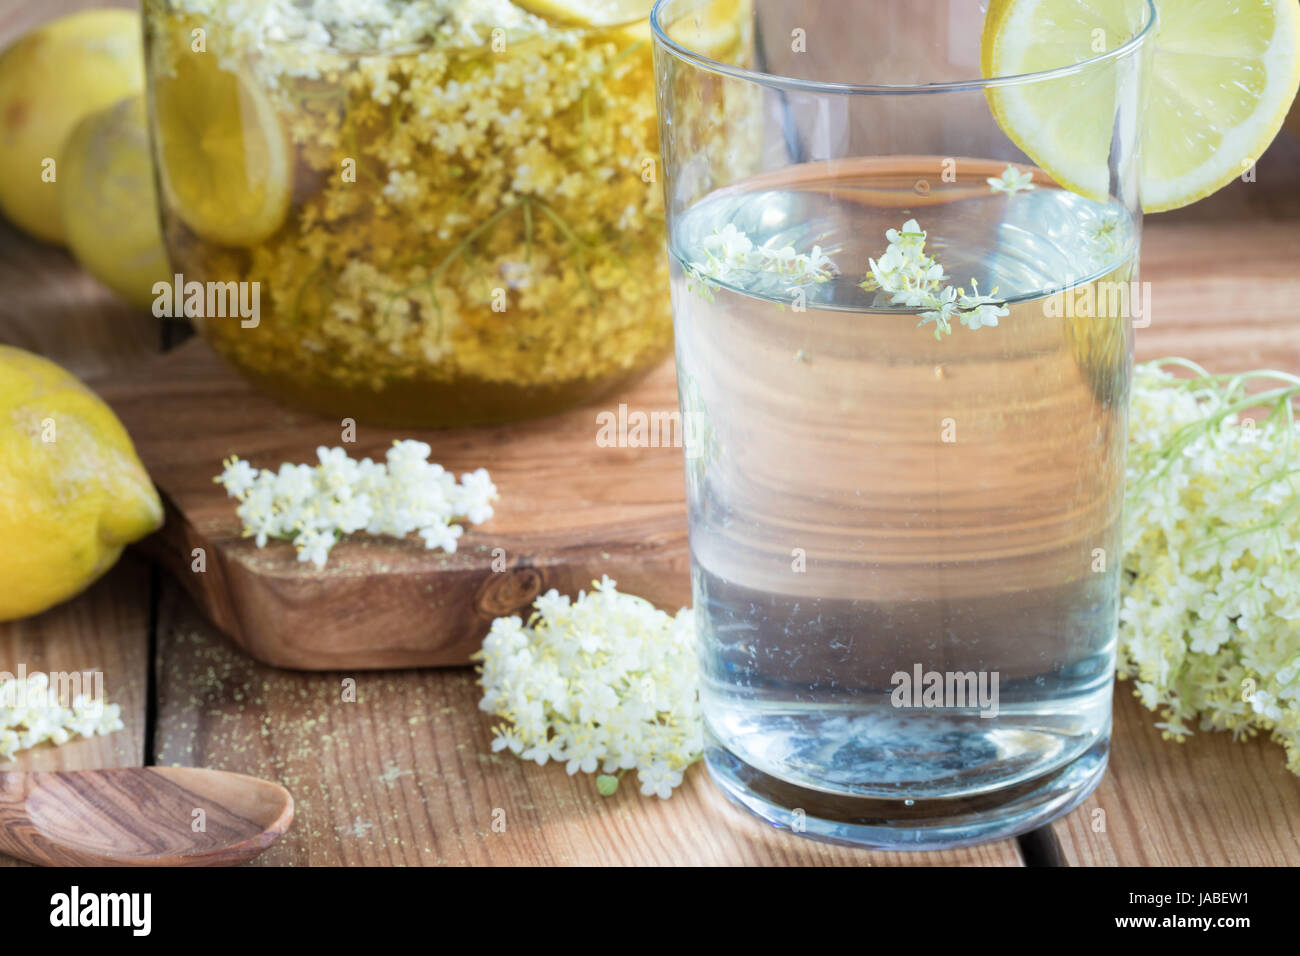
(108, 203)
(49, 80)
(73, 493)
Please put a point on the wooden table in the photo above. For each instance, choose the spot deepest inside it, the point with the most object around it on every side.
(405, 775)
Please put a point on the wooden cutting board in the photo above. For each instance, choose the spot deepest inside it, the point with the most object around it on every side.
(569, 512)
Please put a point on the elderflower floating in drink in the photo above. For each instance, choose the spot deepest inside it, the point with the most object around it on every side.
(1012, 181)
(730, 255)
(911, 278)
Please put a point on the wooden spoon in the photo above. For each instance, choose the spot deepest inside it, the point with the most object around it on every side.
(140, 816)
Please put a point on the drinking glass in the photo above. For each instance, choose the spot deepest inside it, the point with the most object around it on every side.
(906, 346)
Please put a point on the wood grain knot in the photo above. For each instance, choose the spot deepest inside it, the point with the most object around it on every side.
(503, 593)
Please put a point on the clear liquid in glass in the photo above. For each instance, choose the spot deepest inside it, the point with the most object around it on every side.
(867, 501)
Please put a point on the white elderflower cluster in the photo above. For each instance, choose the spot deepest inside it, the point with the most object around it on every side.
(32, 713)
(915, 280)
(1012, 181)
(315, 506)
(730, 255)
(1210, 616)
(607, 682)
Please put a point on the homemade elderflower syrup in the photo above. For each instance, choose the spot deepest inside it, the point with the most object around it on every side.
(452, 206)
(906, 548)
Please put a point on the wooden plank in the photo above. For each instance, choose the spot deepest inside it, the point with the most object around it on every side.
(1223, 294)
(50, 305)
(1208, 801)
(105, 629)
(406, 776)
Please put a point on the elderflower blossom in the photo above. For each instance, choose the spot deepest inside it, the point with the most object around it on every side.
(316, 506)
(32, 713)
(1012, 181)
(1210, 615)
(917, 281)
(607, 682)
(730, 255)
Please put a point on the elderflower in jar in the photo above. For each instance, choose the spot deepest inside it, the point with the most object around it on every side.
(450, 208)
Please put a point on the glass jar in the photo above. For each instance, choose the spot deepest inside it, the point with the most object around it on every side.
(445, 212)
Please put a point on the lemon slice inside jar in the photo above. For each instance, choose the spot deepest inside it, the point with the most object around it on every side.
(1222, 79)
(223, 158)
(714, 30)
(587, 13)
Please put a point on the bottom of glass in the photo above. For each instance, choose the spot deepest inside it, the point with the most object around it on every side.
(922, 824)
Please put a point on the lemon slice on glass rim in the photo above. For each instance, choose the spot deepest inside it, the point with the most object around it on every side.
(224, 161)
(1222, 78)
